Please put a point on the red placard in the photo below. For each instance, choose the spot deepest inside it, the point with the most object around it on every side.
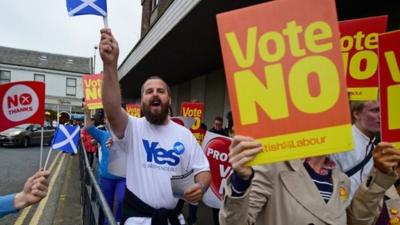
(359, 42)
(284, 72)
(389, 84)
(92, 90)
(216, 149)
(21, 102)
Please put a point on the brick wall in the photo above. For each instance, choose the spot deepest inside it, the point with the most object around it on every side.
(146, 12)
(149, 17)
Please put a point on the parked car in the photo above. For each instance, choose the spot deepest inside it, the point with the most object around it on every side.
(27, 134)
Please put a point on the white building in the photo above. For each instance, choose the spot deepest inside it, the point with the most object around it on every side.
(62, 75)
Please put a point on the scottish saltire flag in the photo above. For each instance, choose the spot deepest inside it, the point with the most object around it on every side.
(66, 138)
(84, 7)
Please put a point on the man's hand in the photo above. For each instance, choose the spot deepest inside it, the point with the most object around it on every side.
(386, 157)
(93, 142)
(194, 193)
(35, 189)
(109, 143)
(86, 110)
(108, 48)
(242, 150)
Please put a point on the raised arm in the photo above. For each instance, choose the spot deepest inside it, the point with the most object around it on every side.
(88, 121)
(111, 93)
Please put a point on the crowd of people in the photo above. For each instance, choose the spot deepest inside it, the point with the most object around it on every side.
(355, 187)
(315, 190)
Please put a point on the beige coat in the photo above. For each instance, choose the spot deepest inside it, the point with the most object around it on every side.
(284, 194)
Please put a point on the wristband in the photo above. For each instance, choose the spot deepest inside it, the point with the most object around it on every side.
(203, 187)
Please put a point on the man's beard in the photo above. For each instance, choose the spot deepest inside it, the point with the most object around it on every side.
(158, 118)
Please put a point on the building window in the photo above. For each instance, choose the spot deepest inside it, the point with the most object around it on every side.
(71, 86)
(154, 4)
(5, 76)
(39, 77)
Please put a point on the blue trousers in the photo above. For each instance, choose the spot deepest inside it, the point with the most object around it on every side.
(111, 188)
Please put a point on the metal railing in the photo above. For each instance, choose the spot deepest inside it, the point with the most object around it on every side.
(94, 205)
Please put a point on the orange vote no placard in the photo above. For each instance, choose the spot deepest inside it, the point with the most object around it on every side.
(92, 90)
(133, 110)
(285, 78)
(194, 110)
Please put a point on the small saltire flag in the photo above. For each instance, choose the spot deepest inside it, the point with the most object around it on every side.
(84, 7)
(66, 138)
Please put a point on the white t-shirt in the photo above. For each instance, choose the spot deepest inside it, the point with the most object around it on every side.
(154, 154)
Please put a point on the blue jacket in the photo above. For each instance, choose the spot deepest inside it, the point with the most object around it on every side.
(101, 137)
(7, 205)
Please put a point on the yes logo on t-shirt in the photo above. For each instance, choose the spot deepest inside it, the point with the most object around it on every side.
(162, 156)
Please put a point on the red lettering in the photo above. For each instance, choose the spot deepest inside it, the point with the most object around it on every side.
(13, 101)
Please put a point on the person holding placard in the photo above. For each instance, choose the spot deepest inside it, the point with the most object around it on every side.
(310, 191)
(358, 163)
(89, 143)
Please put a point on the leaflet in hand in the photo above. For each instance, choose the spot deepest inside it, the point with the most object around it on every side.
(180, 183)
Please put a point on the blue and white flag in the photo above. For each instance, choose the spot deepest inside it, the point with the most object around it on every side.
(66, 138)
(84, 7)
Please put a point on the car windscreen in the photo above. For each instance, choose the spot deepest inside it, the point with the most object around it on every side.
(24, 126)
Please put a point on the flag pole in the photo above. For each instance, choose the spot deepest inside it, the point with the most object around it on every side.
(58, 114)
(105, 20)
(51, 147)
(48, 157)
(41, 149)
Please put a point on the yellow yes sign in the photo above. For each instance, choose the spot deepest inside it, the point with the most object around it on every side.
(285, 78)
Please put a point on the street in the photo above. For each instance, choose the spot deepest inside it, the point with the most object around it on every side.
(16, 165)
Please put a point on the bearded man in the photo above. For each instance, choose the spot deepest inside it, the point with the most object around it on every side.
(156, 147)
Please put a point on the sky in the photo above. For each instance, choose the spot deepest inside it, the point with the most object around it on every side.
(44, 25)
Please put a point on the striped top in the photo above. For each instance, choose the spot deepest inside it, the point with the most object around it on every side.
(323, 182)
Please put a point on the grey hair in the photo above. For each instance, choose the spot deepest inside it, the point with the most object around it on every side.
(356, 106)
